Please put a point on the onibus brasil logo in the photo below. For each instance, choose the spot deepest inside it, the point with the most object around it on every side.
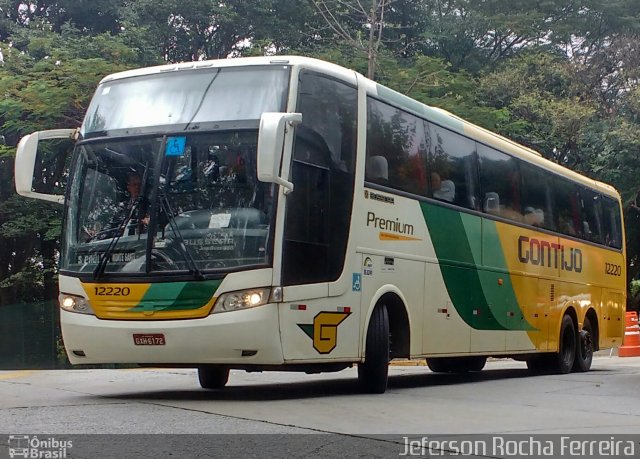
(324, 330)
(34, 447)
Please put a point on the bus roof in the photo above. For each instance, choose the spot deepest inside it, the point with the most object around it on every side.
(433, 114)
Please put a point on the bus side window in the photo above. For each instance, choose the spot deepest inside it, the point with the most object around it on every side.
(536, 197)
(591, 215)
(567, 207)
(611, 223)
(452, 163)
(500, 183)
(396, 149)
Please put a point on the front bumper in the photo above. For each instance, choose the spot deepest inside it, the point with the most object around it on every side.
(217, 338)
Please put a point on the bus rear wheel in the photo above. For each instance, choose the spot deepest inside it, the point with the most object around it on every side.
(584, 352)
(213, 376)
(563, 361)
(374, 371)
(538, 363)
(439, 365)
(456, 364)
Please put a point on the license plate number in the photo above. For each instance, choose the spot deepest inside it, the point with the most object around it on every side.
(148, 339)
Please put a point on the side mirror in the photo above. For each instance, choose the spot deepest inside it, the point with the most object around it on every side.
(26, 159)
(270, 144)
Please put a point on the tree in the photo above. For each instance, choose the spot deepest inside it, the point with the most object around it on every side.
(46, 82)
(348, 19)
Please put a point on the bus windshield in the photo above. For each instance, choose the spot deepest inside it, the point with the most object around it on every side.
(196, 194)
(185, 99)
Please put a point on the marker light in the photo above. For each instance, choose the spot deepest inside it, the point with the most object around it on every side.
(74, 303)
(242, 299)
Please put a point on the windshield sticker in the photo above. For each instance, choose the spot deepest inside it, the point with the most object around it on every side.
(114, 257)
(219, 221)
(175, 146)
(212, 241)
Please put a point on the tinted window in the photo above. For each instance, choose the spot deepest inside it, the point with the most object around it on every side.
(611, 223)
(453, 168)
(537, 201)
(568, 207)
(591, 215)
(396, 149)
(322, 171)
(500, 184)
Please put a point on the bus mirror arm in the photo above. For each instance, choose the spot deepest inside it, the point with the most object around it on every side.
(273, 127)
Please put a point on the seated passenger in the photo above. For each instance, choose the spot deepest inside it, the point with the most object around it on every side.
(445, 190)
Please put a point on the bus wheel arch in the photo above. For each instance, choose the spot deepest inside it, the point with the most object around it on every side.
(399, 323)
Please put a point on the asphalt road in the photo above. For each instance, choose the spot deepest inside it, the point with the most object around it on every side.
(503, 399)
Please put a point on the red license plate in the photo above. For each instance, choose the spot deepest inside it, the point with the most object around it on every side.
(148, 339)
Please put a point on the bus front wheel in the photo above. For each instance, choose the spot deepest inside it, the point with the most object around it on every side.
(213, 376)
(374, 371)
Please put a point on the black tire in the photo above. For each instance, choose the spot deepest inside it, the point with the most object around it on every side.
(374, 371)
(540, 363)
(439, 365)
(213, 376)
(584, 351)
(565, 357)
(475, 363)
(456, 364)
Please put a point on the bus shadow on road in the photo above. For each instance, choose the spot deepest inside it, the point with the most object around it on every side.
(298, 388)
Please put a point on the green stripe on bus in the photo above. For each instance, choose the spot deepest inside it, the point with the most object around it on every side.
(458, 257)
(479, 298)
(177, 296)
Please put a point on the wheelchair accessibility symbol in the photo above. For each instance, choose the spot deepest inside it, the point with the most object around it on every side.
(356, 285)
(175, 146)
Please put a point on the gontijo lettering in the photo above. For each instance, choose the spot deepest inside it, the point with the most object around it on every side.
(389, 225)
(544, 253)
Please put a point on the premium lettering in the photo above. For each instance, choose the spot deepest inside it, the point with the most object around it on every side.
(549, 254)
(390, 225)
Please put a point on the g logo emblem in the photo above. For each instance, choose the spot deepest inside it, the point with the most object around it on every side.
(324, 330)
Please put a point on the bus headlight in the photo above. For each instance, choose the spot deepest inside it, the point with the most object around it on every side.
(74, 303)
(242, 299)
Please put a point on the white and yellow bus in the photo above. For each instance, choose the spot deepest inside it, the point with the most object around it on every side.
(294, 215)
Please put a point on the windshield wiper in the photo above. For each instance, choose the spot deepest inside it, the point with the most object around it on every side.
(102, 263)
(168, 210)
